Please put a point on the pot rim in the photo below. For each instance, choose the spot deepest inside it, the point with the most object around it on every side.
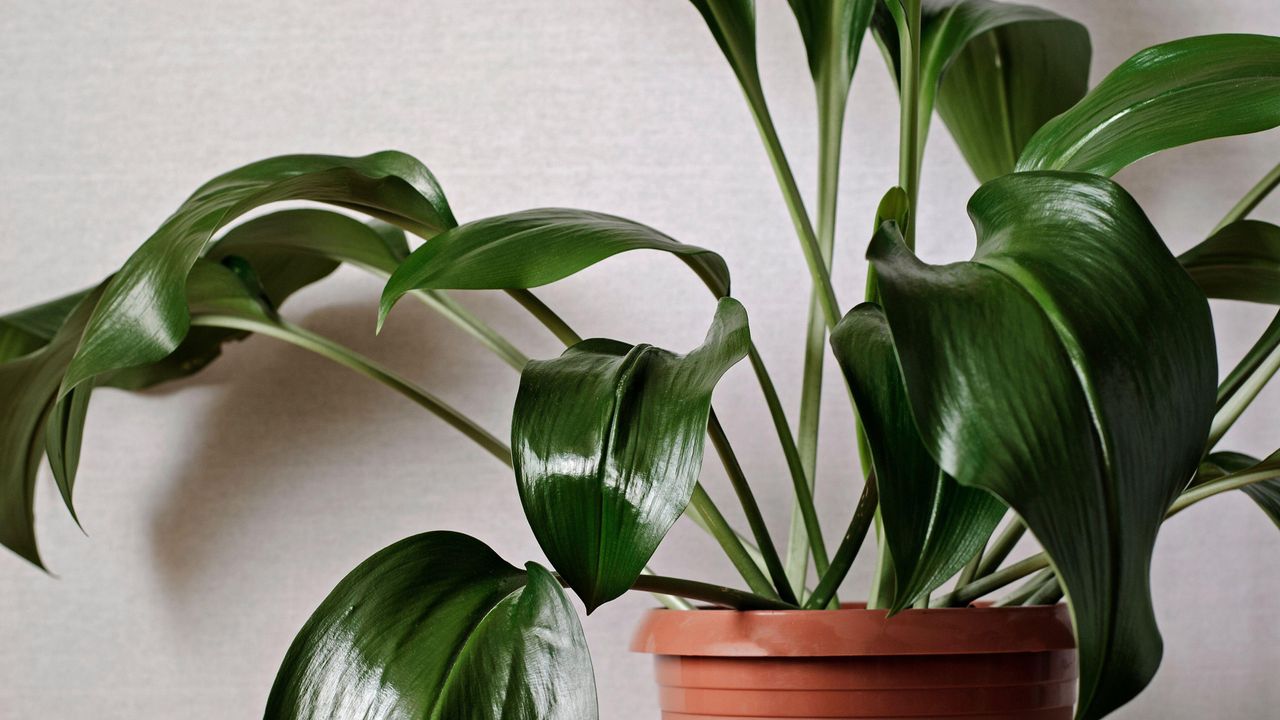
(854, 631)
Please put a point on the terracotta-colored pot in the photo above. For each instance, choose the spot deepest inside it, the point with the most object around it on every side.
(982, 663)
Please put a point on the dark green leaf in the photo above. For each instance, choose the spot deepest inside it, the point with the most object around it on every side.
(535, 247)
(32, 328)
(1069, 369)
(1266, 493)
(29, 386)
(997, 73)
(142, 316)
(437, 627)
(608, 442)
(932, 524)
(1169, 95)
(1239, 262)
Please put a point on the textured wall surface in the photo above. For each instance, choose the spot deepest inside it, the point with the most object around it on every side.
(220, 510)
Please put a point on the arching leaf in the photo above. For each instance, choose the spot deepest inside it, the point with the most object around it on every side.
(608, 441)
(1069, 369)
(932, 524)
(536, 247)
(142, 316)
(1169, 95)
(1266, 493)
(996, 72)
(29, 386)
(1239, 262)
(437, 627)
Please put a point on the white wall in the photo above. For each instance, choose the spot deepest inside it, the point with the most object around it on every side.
(221, 510)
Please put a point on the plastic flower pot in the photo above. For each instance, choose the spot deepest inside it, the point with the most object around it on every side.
(982, 663)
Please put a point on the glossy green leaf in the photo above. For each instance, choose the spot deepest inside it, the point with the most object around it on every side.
(932, 524)
(1069, 369)
(1169, 95)
(142, 316)
(996, 72)
(833, 31)
(536, 247)
(1239, 262)
(608, 442)
(438, 627)
(1266, 493)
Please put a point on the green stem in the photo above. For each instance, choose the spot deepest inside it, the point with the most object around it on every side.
(799, 482)
(449, 308)
(732, 545)
(1000, 549)
(706, 592)
(884, 583)
(282, 330)
(1049, 592)
(755, 520)
(853, 539)
(1246, 380)
(832, 96)
(1251, 199)
(671, 602)
(1026, 590)
(976, 589)
(795, 204)
(1227, 483)
(546, 316)
(970, 570)
(909, 155)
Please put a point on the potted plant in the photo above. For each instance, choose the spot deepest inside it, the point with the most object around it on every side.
(1062, 382)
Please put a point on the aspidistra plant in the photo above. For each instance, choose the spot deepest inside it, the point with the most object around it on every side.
(1062, 381)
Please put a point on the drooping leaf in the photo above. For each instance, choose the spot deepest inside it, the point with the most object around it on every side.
(996, 72)
(608, 441)
(32, 328)
(1266, 493)
(535, 247)
(29, 385)
(833, 31)
(437, 627)
(1239, 262)
(142, 316)
(1069, 369)
(1169, 95)
(932, 524)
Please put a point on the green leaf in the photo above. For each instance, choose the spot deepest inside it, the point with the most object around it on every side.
(1070, 369)
(1169, 95)
(1239, 262)
(32, 328)
(535, 247)
(142, 316)
(437, 627)
(1266, 493)
(608, 441)
(833, 31)
(733, 24)
(932, 524)
(997, 72)
(29, 386)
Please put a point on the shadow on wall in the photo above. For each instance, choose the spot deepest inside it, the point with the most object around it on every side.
(267, 453)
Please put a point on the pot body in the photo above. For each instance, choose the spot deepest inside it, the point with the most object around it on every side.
(981, 663)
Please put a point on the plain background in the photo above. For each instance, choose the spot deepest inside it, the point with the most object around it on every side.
(222, 509)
